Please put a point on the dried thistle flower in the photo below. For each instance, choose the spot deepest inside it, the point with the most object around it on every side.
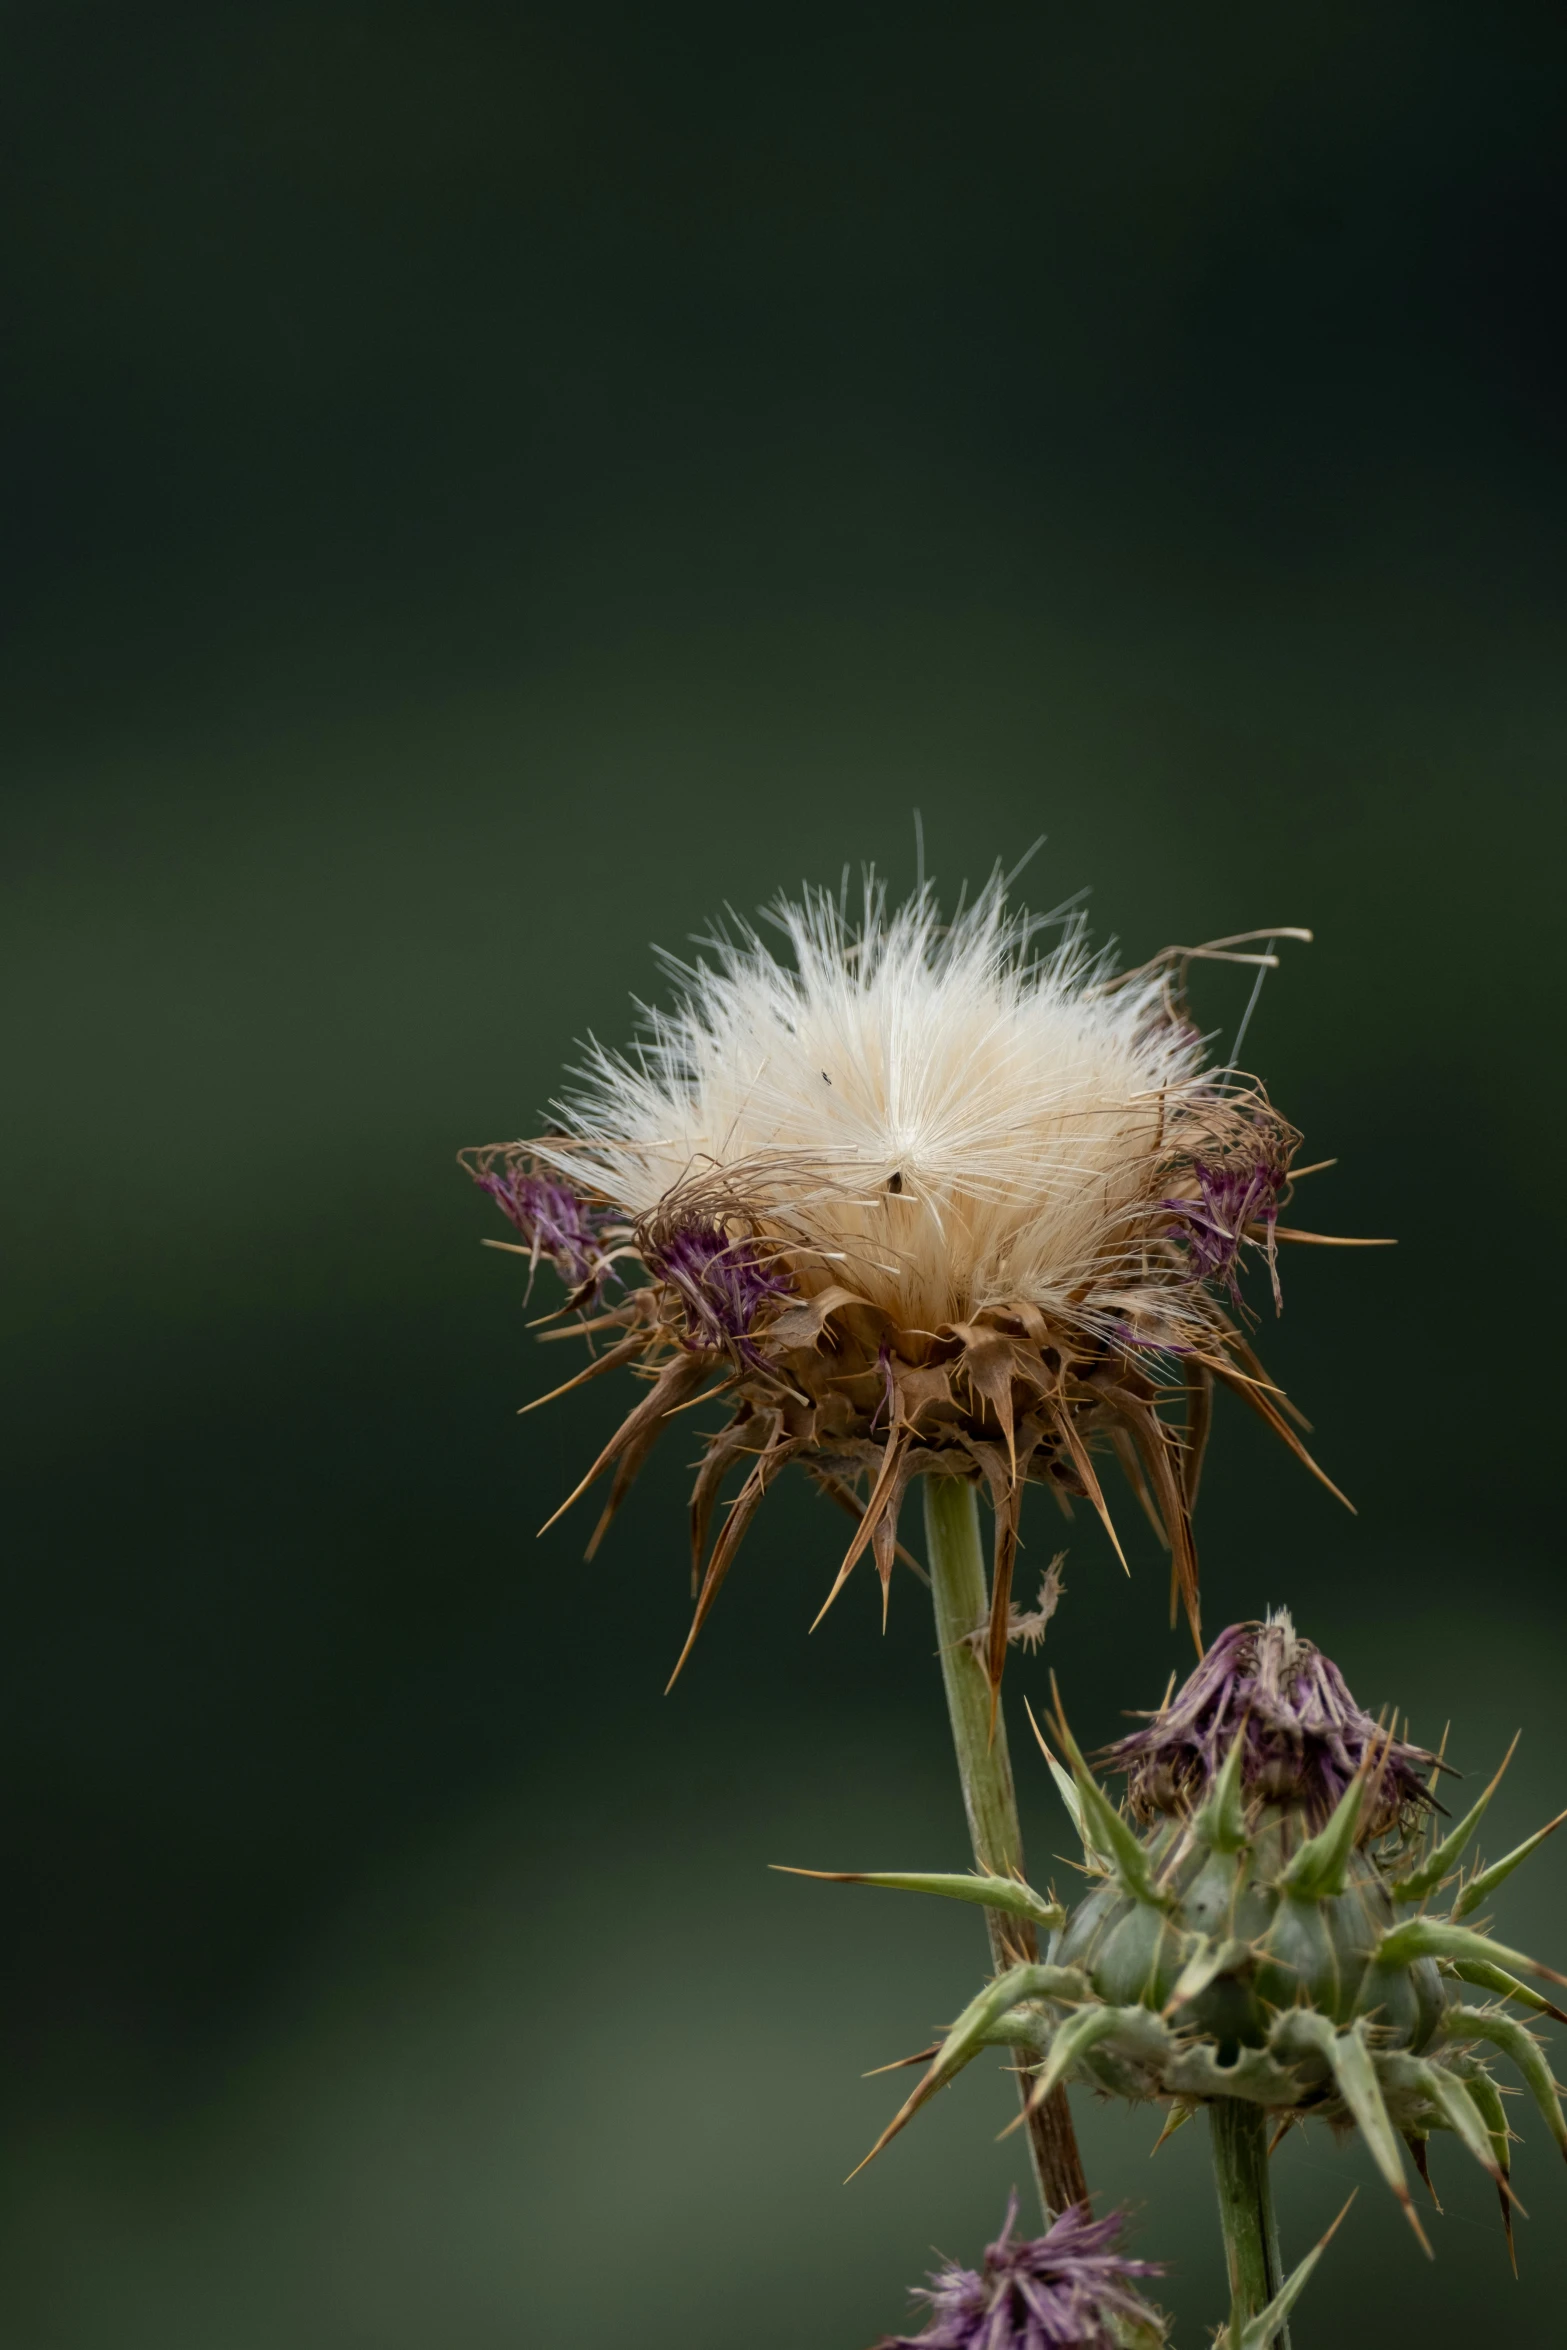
(931, 1198)
(1069, 2289)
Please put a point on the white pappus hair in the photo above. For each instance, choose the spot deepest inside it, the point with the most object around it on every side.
(944, 1114)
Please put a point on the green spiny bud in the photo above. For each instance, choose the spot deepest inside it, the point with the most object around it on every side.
(1248, 1930)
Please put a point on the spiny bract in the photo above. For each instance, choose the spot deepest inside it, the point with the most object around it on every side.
(1260, 1941)
(926, 1199)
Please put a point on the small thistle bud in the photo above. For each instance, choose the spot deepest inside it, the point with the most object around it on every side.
(925, 1201)
(1069, 2289)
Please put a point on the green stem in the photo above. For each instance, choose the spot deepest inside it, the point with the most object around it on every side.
(1251, 2235)
(961, 1595)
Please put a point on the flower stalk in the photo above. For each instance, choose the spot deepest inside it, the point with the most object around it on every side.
(1239, 2130)
(962, 1605)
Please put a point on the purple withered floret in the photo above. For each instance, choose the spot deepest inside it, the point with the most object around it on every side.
(1305, 1737)
(1066, 2290)
(722, 1282)
(553, 1220)
(1232, 1193)
(1138, 1342)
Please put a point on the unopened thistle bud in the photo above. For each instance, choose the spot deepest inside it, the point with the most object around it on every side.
(1259, 1926)
(926, 1200)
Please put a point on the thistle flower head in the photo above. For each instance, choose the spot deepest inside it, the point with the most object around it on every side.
(938, 1115)
(924, 1197)
(1303, 1738)
(1067, 2290)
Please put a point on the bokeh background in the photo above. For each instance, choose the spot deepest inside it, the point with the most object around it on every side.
(487, 486)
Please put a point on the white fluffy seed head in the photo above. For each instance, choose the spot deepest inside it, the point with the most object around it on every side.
(941, 1116)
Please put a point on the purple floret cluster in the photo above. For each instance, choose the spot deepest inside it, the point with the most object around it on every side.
(554, 1222)
(1231, 1195)
(1304, 1737)
(722, 1282)
(1067, 2290)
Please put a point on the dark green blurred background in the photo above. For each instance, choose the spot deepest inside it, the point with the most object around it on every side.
(486, 486)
